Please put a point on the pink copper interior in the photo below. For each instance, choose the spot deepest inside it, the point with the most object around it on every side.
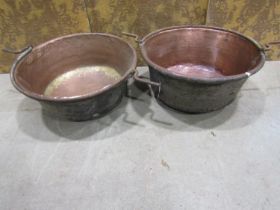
(201, 52)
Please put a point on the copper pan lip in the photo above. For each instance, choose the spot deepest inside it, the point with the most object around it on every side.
(75, 98)
(201, 80)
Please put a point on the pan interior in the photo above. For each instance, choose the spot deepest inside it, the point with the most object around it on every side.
(201, 52)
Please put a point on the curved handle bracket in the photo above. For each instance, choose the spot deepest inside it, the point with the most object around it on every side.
(144, 80)
(268, 46)
(147, 82)
(22, 54)
(8, 50)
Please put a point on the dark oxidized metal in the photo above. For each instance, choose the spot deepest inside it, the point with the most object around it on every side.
(97, 93)
(199, 69)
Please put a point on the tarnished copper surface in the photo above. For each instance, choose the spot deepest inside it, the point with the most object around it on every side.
(221, 52)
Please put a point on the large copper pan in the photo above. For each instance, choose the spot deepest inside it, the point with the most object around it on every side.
(199, 69)
(78, 77)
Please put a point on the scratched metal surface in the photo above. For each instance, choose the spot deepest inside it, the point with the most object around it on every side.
(142, 156)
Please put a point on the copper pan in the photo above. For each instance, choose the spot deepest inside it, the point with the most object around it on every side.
(88, 73)
(199, 69)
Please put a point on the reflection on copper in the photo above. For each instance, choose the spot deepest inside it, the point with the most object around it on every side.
(195, 71)
(82, 81)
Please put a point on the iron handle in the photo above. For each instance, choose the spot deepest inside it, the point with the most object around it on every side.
(149, 83)
(144, 80)
(136, 73)
(135, 36)
(8, 50)
(22, 54)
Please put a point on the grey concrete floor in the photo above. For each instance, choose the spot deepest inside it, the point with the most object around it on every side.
(143, 156)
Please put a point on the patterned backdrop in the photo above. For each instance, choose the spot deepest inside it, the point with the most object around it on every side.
(24, 22)
(259, 19)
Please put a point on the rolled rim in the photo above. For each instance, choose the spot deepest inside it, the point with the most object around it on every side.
(194, 79)
(41, 97)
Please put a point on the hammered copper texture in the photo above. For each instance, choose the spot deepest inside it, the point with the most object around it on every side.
(142, 17)
(259, 19)
(24, 22)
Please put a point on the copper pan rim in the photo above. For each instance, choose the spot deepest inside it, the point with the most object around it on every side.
(195, 79)
(44, 98)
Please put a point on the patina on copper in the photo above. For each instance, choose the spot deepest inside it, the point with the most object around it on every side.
(199, 69)
(87, 73)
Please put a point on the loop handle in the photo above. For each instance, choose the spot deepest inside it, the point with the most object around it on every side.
(22, 54)
(12, 51)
